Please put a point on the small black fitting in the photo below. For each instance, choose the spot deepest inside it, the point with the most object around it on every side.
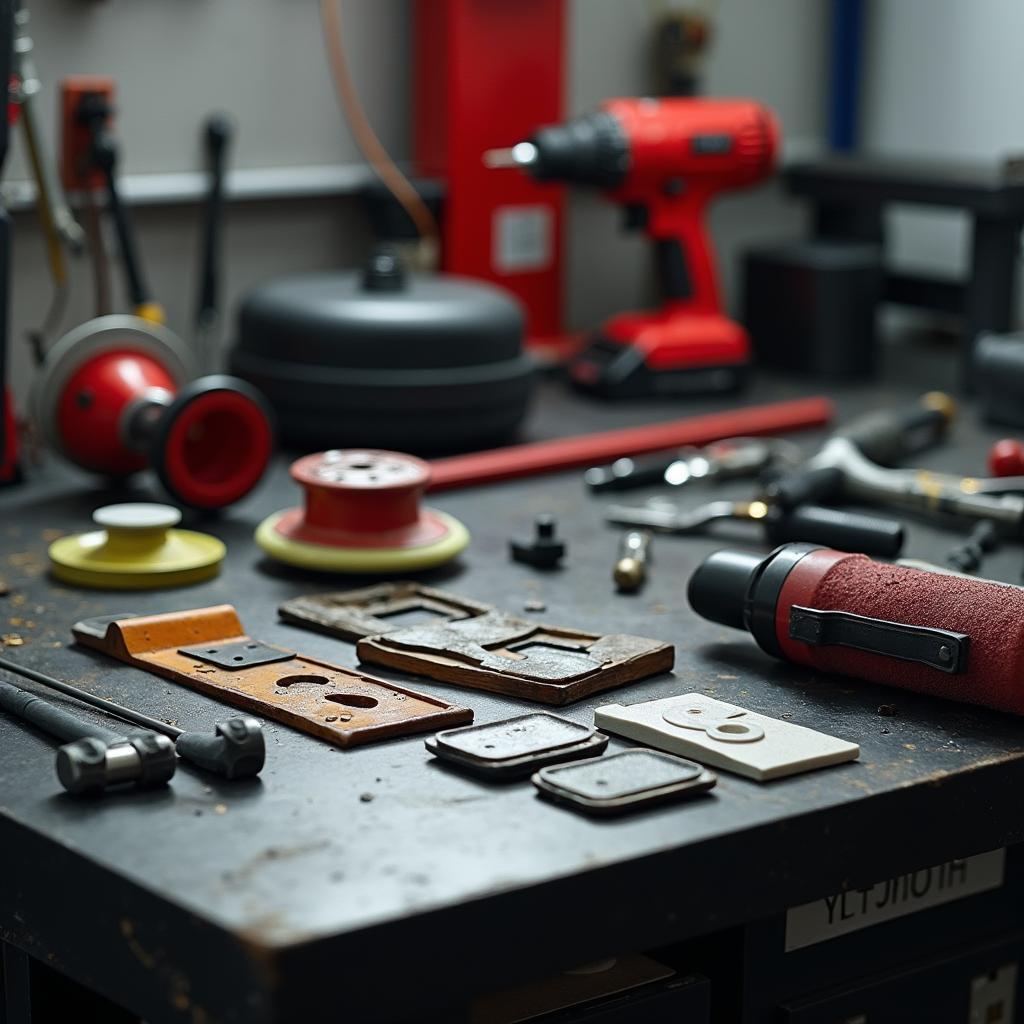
(544, 550)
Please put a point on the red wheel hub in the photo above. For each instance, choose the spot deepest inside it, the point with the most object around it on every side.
(362, 498)
(92, 403)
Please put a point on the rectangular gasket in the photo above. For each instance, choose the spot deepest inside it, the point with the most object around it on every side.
(472, 644)
(516, 747)
(623, 782)
(341, 705)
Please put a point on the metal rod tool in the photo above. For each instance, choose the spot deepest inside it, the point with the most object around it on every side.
(95, 757)
(847, 531)
(235, 749)
(723, 460)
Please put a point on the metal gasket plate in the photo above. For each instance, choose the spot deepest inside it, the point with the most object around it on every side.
(515, 747)
(514, 737)
(237, 654)
(623, 782)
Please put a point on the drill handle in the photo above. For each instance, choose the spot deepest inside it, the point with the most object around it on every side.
(682, 250)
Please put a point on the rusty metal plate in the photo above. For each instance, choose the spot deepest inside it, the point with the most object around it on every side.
(475, 645)
(341, 705)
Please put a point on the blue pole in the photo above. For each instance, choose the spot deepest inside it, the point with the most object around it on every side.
(847, 39)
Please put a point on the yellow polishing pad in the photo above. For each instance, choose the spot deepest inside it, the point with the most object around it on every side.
(366, 559)
(136, 548)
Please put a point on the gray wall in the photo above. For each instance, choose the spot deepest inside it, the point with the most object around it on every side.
(262, 60)
(946, 80)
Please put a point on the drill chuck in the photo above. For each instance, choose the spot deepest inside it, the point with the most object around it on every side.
(588, 150)
(945, 635)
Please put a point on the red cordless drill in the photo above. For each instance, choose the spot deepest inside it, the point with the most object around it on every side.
(664, 160)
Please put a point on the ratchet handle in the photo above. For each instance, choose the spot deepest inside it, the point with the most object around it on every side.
(844, 531)
(890, 436)
(808, 486)
(625, 474)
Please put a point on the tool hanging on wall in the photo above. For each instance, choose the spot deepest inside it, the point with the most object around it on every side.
(95, 758)
(136, 548)
(664, 161)
(9, 471)
(60, 229)
(235, 749)
(934, 632)
(473, 644)
(680, 40)
(94, 112)
(218, 131)
(207, 650)
(362, 513)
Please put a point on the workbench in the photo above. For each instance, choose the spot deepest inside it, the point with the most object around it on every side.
(373, 884)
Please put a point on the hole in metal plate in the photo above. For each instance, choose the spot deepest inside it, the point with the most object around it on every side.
(300, 682)
(411, 616)
(352, 700)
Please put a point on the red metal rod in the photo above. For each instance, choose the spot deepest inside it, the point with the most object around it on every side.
(593, 449)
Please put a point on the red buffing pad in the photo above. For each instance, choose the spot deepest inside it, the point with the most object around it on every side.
(992, 614)
(362, 513)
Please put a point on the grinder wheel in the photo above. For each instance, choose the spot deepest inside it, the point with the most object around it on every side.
(362, 515)
(89, 339)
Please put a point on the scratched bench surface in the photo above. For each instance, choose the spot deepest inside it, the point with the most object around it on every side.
(340, 873)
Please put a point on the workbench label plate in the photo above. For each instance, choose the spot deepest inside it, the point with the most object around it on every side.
(853, 909)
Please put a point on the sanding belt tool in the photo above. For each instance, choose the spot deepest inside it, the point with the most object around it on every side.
(937, 633)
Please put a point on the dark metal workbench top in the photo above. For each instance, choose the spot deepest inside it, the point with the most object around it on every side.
(374, 884)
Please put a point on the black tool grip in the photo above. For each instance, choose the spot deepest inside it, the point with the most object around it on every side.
(236, 749)
(804, 487)
(51, 719)
(626, 473)
(890, 436)
(844, 531)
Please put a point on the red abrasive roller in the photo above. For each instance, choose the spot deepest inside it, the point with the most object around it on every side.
(936, 633)
(114, 397)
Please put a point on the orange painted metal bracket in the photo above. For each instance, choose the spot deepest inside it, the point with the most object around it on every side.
(207, 649)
